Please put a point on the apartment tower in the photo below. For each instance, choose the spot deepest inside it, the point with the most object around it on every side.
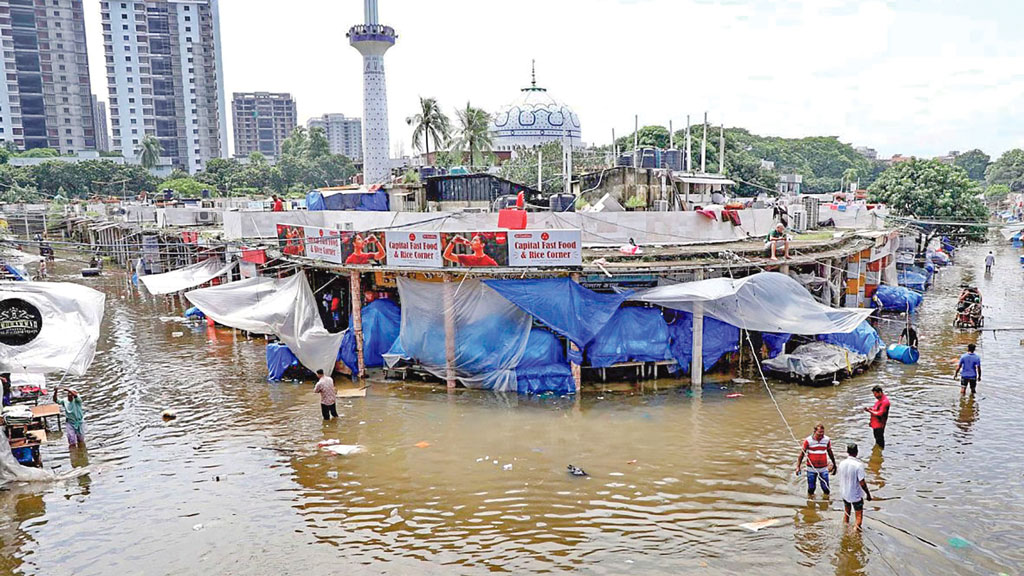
(46, 101)
(345, 135)
(166, 79)
(262, 120)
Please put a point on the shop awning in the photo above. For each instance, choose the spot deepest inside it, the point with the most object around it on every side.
(188, 277)
(764, 302)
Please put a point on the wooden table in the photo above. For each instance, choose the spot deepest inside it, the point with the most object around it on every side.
(47, 411)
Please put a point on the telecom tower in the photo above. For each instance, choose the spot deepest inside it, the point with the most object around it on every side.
(373, 40)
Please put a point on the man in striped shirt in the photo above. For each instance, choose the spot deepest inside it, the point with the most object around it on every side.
(818, 449)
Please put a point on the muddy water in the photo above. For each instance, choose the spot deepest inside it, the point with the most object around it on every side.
(236, 484)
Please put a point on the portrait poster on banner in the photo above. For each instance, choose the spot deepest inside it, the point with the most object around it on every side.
(291, 239)
(362, 248)
(474, 249)
(323, 244)
(545, 248)
(416, 249)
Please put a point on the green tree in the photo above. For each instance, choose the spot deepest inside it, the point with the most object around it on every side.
(319, 147)
(473, 135)
(184, 187)
(997, 193)
(656, 136)
(974, 162)
(430, 123)
(38, 153)
(1008, 170)
(149, 151)
(220, 173)
(932, 191)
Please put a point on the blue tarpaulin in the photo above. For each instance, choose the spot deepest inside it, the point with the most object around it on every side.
(569, 309)
(376, 201)
(913, 280)
(632, 334)
(720, 338)
(279, 359)
(543, 367)
(194, 312)
(382, 320)
(897, 298)
(776, 342)
(14, 272)
(863, 340)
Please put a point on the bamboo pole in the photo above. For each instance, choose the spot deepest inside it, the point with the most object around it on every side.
(697, 360)
(449, 330)
(356, 289)
(577, 371)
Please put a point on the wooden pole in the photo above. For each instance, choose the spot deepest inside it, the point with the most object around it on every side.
(577, 371)
(837, 269)
(449, 330)
(355, 283)
(697, 361)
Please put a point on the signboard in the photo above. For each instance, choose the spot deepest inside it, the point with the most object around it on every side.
(291, 239)
(541, 248)
(413, 249)
(361, 248)
(255, 206)
(151, 254)
(20, 322)
(323, 244)
(474, 249)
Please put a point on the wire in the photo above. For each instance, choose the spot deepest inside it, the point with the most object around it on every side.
(757, 362)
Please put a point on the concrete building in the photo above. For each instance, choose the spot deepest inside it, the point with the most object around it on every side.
(46, 101)
(166, 78)
(373, 40)
(99, 120)
(262, 121)
(345, 135)
(869, 153)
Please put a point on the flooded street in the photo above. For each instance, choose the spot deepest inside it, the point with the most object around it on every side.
(237, 485)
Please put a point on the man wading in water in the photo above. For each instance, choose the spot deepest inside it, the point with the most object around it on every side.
(854, 488)
(818, 449)
(879, 415)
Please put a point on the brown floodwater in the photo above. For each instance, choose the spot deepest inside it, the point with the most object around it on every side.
(237, 485)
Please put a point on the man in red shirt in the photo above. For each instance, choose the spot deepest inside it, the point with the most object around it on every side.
(818, 449)
(879, 415)
(359, 244)
(477, 258)
(278, 204)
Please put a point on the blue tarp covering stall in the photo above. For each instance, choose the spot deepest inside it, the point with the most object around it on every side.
(720, 338)
(194, 312)
(863, 340)
(632, 334)
(382, 320)
(913, 280)
(279, 360)
(776, 342)
(569, 309)
(358, 200)
(543, 367)
(897, 298)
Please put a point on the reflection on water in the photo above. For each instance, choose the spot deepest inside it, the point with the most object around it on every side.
(237, 484)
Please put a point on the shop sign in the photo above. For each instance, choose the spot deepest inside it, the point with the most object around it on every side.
(416, 249)
(20, 322)
(323, 244)
(545, 248)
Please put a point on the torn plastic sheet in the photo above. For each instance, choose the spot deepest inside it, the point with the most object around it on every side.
(491, 333)
(69, 327)
(763, 302)
(285, 308)
(184, 278)
(814, 359)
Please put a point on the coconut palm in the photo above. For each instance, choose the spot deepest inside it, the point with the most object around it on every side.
(149, 151)
(430, 124)
(473, 135)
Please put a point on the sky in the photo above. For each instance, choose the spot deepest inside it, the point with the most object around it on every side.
(915, 77)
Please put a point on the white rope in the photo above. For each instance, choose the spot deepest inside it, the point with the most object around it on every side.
(768, 388)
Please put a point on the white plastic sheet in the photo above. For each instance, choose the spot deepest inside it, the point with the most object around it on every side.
(70, 327)
(184, 278)
(815, 359)
(285, 308)
(764, 302)
(490, 332)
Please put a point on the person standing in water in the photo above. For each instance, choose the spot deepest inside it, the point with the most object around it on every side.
(879, 415)
(853, 485)
(328, 396)
(990, 261)
(74, 419)
(969, 370)
(818, 449)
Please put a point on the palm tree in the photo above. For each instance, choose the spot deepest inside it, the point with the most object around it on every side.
(430, 124)
(149, 151)
(473, 134)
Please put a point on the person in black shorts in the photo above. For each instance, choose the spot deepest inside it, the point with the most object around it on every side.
(909, 336)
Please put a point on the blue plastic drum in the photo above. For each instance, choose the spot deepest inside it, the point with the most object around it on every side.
(903, 353)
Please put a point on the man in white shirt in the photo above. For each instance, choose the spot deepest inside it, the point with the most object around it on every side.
(854, 488)
(325, 387)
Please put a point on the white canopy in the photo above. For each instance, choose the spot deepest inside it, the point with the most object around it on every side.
(764, 302)
(15, 256)
(285, 308)
(184, 278)
(66, 328)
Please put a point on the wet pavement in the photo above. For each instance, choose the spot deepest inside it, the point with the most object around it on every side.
(237, 485)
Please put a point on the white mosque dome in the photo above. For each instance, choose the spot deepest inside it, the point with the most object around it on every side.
(533, 119)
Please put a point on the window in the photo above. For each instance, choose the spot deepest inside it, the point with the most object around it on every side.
(124, 26)
(67, 131)
(124, 16)
(127, 38)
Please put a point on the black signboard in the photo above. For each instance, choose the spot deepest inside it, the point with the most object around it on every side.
(20, 322)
